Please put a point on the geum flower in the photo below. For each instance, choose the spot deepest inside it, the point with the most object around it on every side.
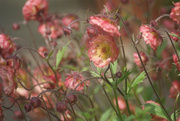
(103, 50)
(175, 13)
(35, 9)
(105, 25)
(151, 36)
(175, 89)
(73, 79)
(137, 59)
(8, 78)
(175, 59)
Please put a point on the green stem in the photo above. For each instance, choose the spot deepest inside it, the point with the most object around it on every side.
(117, 105)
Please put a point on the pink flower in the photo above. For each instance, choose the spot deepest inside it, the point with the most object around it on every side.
(8, 78)
(151, 36)
(105, 25)
(66, 20)
(175, 59)
(103, 50)
(121, 103)
(175, 89)
(35, 9)
(74, 79)
(175, 13)
(137, 60)
(54, 28)
(7, 46)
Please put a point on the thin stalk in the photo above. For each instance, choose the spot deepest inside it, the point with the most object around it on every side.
(175, 106)
(117, 105)
(92, 107)
(72, 110)
(145, 69)
(46, 108)
(110, 101)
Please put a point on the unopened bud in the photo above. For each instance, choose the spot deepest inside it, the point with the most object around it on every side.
(61, 107)
(35, 102)
(118, 74)
(27, 107)
(71, 99)
(67, 31)
(15, 26)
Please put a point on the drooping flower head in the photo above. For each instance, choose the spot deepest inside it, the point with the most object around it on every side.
(175, 89)
(51, 28)
(35, 9)
(175, 36)
(42, 50)
(137, 59)
(8, 78)
(68, 19)
(175, 59)
(73, 79)
(7, 46)
(151, 36)
(105, 25)
(103, 50)
(175, 13)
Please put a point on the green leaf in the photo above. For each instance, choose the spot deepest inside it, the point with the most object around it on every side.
(60, 54)
(137, 81)
(113, 67)
(95, 74)
(106, 115)
(156, 110)
(177, 113)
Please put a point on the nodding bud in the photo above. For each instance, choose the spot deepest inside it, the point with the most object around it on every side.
(72, 99)
(61, 107)
(153, 23)
(48, 31)
(67, 31)
(13, 62)
(139, 36)
(91, 31)
(27, 107)
(118, 74)
(35, 102)
(15, 26)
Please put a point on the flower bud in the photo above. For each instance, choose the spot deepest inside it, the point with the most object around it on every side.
(61, 107)
(13, 62)
(71, 99)
(27, 107)
(67, 31)
(118, 74)
(153, 23)
(15, 26)
(35, 102)
(91, 31)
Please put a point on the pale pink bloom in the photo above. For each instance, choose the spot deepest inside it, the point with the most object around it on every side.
(151, 36)
(175, 59)
(73, 79)
(7, 46)
(137, 59)
(8, 78)
(54, 27)
(175, 13)
(105, 25)
(103, 50)
(35, 9)
(66, 20)
(175, 89)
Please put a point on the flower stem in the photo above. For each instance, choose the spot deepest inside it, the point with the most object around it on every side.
(117, 105)
(167, 115)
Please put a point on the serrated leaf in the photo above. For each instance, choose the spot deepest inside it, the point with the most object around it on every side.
(156, 110)
(137, 81)
(95, 74)
(176, 113)
(106, 115)
(60, 54)
(113, 67)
